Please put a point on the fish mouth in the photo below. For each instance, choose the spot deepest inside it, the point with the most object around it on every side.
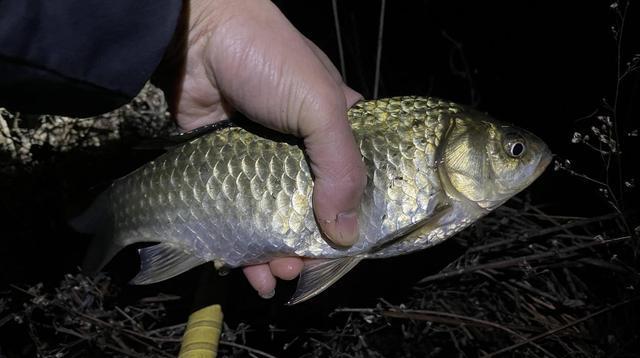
(545, 160)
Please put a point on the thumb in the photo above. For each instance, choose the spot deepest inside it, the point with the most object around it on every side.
(337, 165)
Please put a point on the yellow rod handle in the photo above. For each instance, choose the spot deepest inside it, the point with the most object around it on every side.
(201, 337)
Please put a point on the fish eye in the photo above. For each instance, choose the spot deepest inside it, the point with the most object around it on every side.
(516, 148)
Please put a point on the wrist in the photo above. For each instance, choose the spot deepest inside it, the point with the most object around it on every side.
(185, 50)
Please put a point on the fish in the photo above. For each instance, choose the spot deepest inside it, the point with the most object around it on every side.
(240, 196)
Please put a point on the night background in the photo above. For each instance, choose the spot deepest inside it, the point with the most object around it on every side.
(554, 273)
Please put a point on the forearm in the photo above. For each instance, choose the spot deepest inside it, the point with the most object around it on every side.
(80, 57)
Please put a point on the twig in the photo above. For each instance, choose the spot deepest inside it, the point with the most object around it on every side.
(466, 74)
(6, 319)
(533, 290)
(551, 219)
(546, 231)
(131, 320)
(133, 335)
(561, 328)
(248, 349)
(517, 260)
(179, 326)
(440, 317)
(336, 21)
(376, 83)
(71, 333)
(616, 98)
(159, 298)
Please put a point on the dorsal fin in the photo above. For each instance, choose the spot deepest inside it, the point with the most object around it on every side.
(176, 140)
(200, 131)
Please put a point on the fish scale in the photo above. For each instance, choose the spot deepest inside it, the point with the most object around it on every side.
(237, 192)
(237, 197)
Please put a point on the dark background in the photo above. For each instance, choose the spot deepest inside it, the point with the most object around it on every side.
(542, 65)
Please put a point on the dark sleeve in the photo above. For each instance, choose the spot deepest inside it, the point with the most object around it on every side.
(80, 57)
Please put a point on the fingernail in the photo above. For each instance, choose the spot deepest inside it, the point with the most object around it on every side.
(346, 228)
(268, 295)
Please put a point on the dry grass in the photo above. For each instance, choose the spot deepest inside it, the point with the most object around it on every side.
(529, 284)
(21, 135)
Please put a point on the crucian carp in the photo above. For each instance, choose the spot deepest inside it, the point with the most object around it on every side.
(236, 197)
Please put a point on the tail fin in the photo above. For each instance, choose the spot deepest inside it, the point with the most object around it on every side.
(98, 221)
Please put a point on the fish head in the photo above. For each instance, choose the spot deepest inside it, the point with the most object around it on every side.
(487, 162)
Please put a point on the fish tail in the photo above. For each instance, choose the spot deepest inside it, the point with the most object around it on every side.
(98, 221)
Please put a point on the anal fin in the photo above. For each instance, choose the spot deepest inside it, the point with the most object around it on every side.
(317, 277)
(163, 261)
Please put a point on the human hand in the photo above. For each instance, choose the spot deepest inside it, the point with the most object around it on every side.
(245, 55)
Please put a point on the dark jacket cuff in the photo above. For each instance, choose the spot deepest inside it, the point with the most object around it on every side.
(80, 57)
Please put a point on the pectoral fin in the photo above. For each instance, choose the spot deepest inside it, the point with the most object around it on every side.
(317, 277)
(163, 261)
